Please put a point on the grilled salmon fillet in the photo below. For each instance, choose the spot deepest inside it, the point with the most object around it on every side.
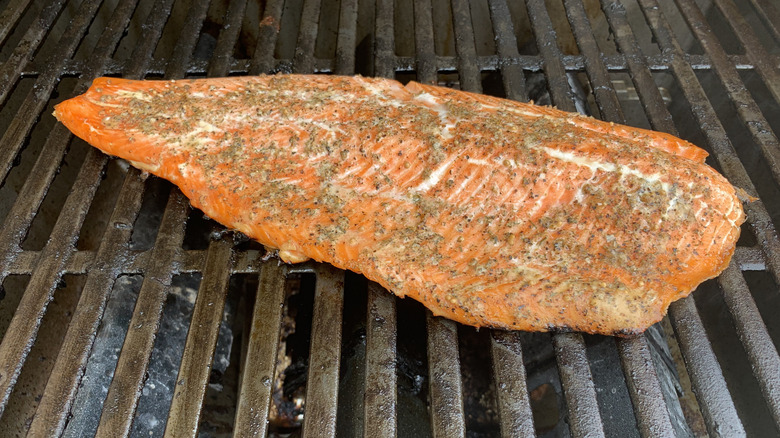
(490, 212)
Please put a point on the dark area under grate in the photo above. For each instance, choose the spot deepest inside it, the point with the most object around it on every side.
(123, 311)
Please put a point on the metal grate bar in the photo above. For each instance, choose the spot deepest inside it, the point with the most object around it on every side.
(37, 98)
(62, 385)
(753, 48)
(750, 327)
(12, 67)
(754, 336)
(717, 139)
(638, 369)
(61, 388)
(384, 44)
(21, 332)
(643, 385)
(605, 95)
(584, 416)
(506, 44)
(546, 42)
(769, 15)
(263, 58)
(66, 229)
(651, 99)
(10, 15)
(423, 42)
(303, 61)
(580, 393)
(514, 406)
(345, 41)
(125, 389)
(710, 388)
(446, 387)
(257, 380)
(193, 377)
(325, 355)
(223, 51)
(707, 378)
(182, 53)
(468, 70)
(746, 107)
(380, 404)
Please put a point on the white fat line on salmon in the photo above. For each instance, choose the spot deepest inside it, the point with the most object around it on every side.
(435, 176)
(570, 157)
(703, 206)
(444, 114)
(134, 94)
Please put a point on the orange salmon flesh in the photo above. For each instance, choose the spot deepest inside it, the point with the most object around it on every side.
(490, 212)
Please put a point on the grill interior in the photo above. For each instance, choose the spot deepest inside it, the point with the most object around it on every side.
(123, 311)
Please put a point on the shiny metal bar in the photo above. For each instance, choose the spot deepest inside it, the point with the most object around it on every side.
(707, 378)
(325, 355)
(303, 61)
(196, 361)
(446, 388)
(514, 406)
(380, 402)
(125, 389)
(752, 331)
(23, 53)
(259, 366)
(506, 45)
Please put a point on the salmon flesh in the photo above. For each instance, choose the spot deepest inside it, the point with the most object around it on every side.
(490, 212)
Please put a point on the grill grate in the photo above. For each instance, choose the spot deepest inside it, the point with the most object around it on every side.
(45, 46)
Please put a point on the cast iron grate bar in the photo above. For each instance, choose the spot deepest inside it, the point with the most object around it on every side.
(256, 384)
(23, 328)
(303, 60)
(512, 75)
(649, 408)
(769, 15)
(423, 42)
(712, 393)
(755, 51)
(13, 66)
(514, 405)
(746, 107)
(193, 377)
(762, 353)
(573, 367)
(322, 384)
(381, 400)
(263, 58)
(10, 16)
(38, 97)
(124, 390)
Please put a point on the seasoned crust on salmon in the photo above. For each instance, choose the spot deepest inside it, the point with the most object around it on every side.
(488, 211)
